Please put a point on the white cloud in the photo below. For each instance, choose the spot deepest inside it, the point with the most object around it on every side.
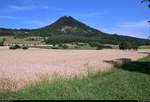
(56, 9)
(95, 14)
(38, 23)
(139, 24)
(135, 29)
(24, 7)
(7, 17)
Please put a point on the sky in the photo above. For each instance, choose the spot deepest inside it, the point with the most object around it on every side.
(123, 17)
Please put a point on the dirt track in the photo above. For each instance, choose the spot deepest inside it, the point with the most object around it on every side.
(24, 66)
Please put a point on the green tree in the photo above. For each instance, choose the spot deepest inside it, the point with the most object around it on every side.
(134, 46)
(128, 45)
(1, 43)
(123, 46)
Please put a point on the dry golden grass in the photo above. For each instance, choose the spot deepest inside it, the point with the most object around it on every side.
(26, 67)
(7, 84)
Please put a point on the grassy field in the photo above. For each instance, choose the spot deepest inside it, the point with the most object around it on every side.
(145, 47)
(113, 46)
(130, 81)
(80, 46)
(87, 47)
(25, 40)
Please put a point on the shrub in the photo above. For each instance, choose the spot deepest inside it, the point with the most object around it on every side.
(4, 39)
(99, 48)
(123, 46)
(25, 47)
(135, 46)
(129, 46)
(107, 47)
(2, 43)
(65, 47)
(15, 47)
(60, 45)
(54, 47)
(77, 47)
(12, 47)
(92, 44)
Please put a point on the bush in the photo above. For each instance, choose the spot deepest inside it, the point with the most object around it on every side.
(92, 44)
(12, 47)
(129, 46)
(2, 43)
(107, 47)
(15, 47)
(65, 47)
(54, 47)
(99, 48)
(135, 47)
(60, 45)
(77, 47)
(123, 46)
(25, 47)
(99, 45)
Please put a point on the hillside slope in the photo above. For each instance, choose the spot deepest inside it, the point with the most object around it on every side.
(68, 29)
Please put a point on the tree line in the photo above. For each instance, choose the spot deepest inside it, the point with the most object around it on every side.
(128, 46)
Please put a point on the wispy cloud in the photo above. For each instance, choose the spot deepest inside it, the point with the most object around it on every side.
(139, 24)
(38, 23)
(136, 29)
(7, 17)
(24, 7)
(58, 9)
(95, 14)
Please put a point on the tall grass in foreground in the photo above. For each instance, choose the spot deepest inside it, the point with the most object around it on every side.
(7, 84)
(118, 83)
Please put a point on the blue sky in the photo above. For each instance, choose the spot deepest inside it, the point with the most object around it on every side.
(124, 17)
